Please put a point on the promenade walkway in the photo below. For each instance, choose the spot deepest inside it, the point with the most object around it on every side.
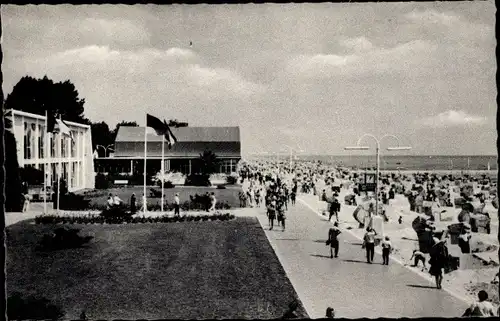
(352, 287)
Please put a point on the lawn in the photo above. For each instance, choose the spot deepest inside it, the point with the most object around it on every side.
(147, 271)
(229, 195)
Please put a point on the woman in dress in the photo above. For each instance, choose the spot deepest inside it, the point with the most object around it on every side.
(439, 255)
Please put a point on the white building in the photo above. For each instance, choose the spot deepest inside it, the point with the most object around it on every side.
(72, 158)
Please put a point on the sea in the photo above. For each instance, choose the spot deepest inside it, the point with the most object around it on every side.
(423, 163)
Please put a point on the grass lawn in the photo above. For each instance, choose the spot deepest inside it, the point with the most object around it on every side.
(229, 195)
(147, 271)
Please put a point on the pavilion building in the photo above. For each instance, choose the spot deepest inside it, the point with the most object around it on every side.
(128, 156)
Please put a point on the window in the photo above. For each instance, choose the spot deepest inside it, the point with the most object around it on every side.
(65, 172)
(73, 174)
(53, 173)
(64, 144)
(52, 145)
(33, 148)
(73, 145)
(41, 141)
(27, 141)
(225, 166)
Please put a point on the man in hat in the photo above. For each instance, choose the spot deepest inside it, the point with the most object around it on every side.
(177, 205)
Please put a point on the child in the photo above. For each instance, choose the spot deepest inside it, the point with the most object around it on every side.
(419, 257)
(386, 250)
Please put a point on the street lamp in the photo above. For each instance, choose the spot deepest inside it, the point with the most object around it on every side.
(291, 154)
(358, 147)
(105, 148)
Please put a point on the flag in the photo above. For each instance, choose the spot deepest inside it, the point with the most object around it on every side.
(171, 139)
(160, 127)
(63, 128)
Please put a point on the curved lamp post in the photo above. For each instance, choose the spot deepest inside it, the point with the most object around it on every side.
(105, 148)
(359, 147)
(296, 150)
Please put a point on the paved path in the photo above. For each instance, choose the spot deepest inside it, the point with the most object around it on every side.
(352, 287)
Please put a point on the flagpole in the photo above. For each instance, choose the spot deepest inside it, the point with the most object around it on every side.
(45, 165)
(59, 166)
(145, 153)
(162, 167)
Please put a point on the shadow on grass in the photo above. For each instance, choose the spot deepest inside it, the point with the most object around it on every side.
(421, 286)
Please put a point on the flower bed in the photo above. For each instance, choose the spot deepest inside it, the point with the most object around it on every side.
(98, 219)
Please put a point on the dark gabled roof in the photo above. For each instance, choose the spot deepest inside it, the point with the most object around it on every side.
(183, 134)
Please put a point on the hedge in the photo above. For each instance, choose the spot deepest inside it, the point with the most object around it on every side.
(99, 219)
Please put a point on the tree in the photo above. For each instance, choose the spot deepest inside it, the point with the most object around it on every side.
(208, 163)
(122, 123)
(101, 135)
(176, 124)
(13, 189)
(39, 95)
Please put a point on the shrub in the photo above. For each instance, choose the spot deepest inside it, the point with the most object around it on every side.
(99, 219)
(167, 184)
(116, 212)
(101, 182)
(74, 202)
(63, 238)
(63, 190)
(232, 180)
(31, 175)
(221, 187)
(32, 308)
(198, 180)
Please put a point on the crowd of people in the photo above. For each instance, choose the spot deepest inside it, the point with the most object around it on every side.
(428, 194)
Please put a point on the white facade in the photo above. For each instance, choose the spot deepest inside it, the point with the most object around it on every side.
(37, 148)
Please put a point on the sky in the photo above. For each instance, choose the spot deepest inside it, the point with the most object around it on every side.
(311, 77)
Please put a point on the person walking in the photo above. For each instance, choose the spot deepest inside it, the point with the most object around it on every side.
(177, 205)
(369, 244)
(271, 213)
(281, 215)
(386, 250)
(333, 240)
(133, 204)
(439, 255)
(26, 202)
(213, 202)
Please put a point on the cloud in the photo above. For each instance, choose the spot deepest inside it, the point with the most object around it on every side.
(401, 58)
(357, 44)
(223, 79)
(432, 16)
(453, 118)
(104, 54)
